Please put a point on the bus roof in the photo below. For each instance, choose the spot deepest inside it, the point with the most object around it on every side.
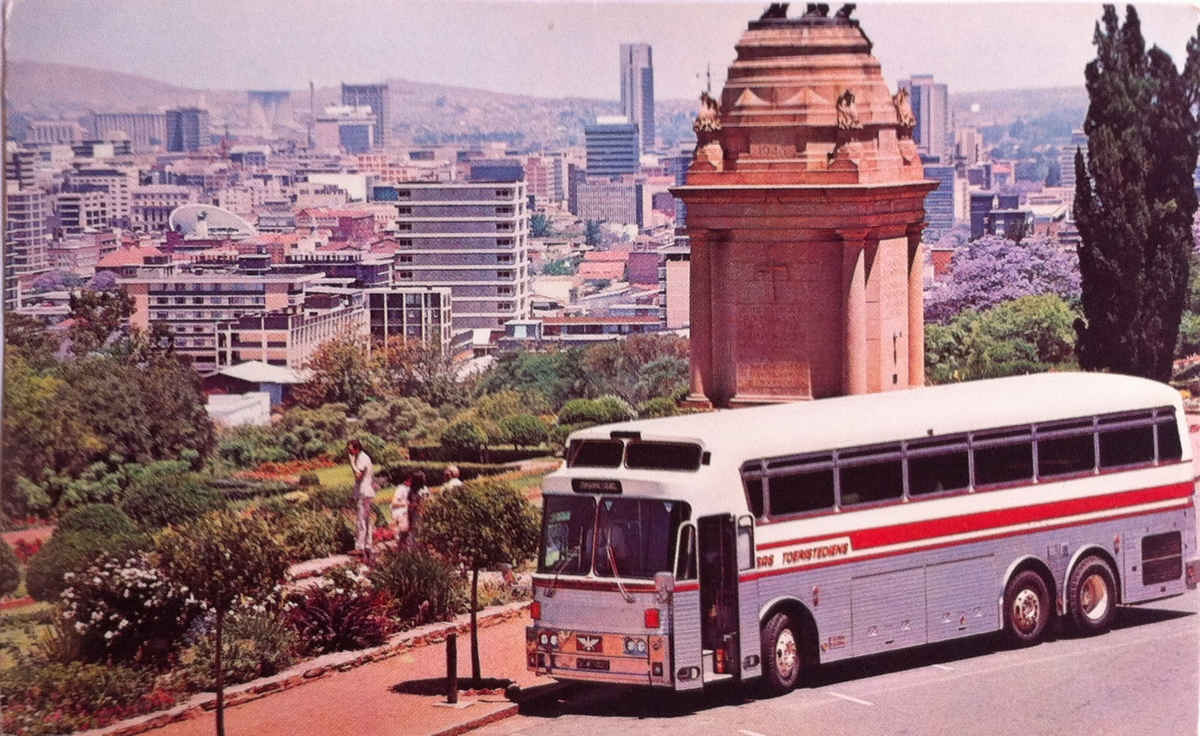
(737, 435)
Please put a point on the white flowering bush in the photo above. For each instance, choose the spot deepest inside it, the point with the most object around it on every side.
(126, 609)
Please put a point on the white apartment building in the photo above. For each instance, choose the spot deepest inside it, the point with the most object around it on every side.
(472, 238)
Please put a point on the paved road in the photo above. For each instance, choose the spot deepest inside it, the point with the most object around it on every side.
(1141, 678)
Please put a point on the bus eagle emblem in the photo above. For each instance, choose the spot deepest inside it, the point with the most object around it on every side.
(588, 643)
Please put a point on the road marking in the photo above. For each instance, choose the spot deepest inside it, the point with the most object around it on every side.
(847, 697)
(943, 667)
(749, 733)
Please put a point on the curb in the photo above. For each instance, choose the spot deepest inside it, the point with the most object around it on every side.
(430, 634)
(548, 691)
(480, 722)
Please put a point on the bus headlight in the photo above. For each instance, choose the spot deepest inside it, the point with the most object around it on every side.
(543, 640)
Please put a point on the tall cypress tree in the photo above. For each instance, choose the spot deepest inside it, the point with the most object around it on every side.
(1134, 200)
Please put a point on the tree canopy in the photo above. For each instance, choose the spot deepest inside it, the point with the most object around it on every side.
(1134, 199)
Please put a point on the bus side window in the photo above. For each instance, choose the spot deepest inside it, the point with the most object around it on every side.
(1132, 446)
(882, 480)
(754, 494)
(797, 493)
(1168, 440)
(1004, 456)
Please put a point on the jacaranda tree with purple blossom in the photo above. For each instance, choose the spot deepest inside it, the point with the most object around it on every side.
(991, 270)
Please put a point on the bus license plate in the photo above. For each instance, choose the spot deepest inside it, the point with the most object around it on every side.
(592, 664)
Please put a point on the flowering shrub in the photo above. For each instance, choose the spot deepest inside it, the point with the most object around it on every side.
(258, 642)
(126, 608)
(71, 552)
(308, 535)
(422, 587)
(341, 613)
(991, 270)
(52, 698)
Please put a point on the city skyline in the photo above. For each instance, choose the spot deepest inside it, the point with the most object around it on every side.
(547, 49)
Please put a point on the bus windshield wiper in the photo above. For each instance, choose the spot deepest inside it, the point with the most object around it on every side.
(612, 562)
(562, 564)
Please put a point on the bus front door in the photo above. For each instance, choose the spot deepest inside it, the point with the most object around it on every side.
(718, 598)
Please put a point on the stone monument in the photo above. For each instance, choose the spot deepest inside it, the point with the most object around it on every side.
(805, 205)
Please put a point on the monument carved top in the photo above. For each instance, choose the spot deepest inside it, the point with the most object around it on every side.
(806, 101)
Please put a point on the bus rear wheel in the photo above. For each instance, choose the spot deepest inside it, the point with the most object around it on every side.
(782, 654)
(1091, 596)
(1026, 608)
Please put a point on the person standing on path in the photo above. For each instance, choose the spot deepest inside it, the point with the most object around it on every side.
(364, 496)
(418, 493)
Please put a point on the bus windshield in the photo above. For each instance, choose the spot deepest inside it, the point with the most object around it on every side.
(567, 523)
(635, 538)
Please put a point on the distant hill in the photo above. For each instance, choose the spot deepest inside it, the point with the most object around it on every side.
(431, 113)
(1004, 107)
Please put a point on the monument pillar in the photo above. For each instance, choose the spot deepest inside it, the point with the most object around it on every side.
(700, 305)
(854, 312)
(916, 308)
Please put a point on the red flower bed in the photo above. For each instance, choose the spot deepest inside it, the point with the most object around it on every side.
(25, 549)
(294, 467)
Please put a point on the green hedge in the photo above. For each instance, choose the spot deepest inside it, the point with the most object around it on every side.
(97, 517)
(437, 453)
(435, 471)
(240, 489)
(73, 552)
(157, 502)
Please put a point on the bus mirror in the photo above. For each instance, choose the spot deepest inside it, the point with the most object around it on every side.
(664, 586)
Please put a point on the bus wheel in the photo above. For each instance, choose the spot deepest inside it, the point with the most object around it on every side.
(1091, 596)
(1026, 607)
(783, 654)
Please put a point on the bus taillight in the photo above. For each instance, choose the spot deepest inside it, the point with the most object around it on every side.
(651, 618)
(535, 610)
(719, 661)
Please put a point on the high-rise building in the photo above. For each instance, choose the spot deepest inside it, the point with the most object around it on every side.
(931, 106)
(939, 204)
(472, 238)
(350, 128)
(1066, 159)
(145, 129)
(18, 164)
(266, 108)
(187, 129)
(25, 237)
(612, 147)
(968, 144)
(615, 199)
(637, 89)
(375, 97)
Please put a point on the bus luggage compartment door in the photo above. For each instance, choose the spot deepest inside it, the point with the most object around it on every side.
(685, 613)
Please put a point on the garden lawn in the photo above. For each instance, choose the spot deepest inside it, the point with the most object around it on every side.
(338, 475)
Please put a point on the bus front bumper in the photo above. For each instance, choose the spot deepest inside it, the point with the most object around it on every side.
(636, 659)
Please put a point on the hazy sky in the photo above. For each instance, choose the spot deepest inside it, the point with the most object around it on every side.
(544, 48)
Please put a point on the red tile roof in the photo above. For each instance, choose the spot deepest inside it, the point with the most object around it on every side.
(127, 257)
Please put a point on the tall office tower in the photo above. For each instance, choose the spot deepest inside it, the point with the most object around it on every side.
(612, 147)
(187, 129)
(375, 97)
(471, 238)
(939, 204)
(266, 108)
(931, 106)
(143, 128)
(637, 89)
(1066, 158)
(25, 237)
(968, 145)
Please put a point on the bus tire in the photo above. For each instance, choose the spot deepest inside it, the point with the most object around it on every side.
(1026, 608)
(1091, 596)
(782, 654)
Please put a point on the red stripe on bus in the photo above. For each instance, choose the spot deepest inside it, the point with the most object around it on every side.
(933, 528)
(941, 545)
